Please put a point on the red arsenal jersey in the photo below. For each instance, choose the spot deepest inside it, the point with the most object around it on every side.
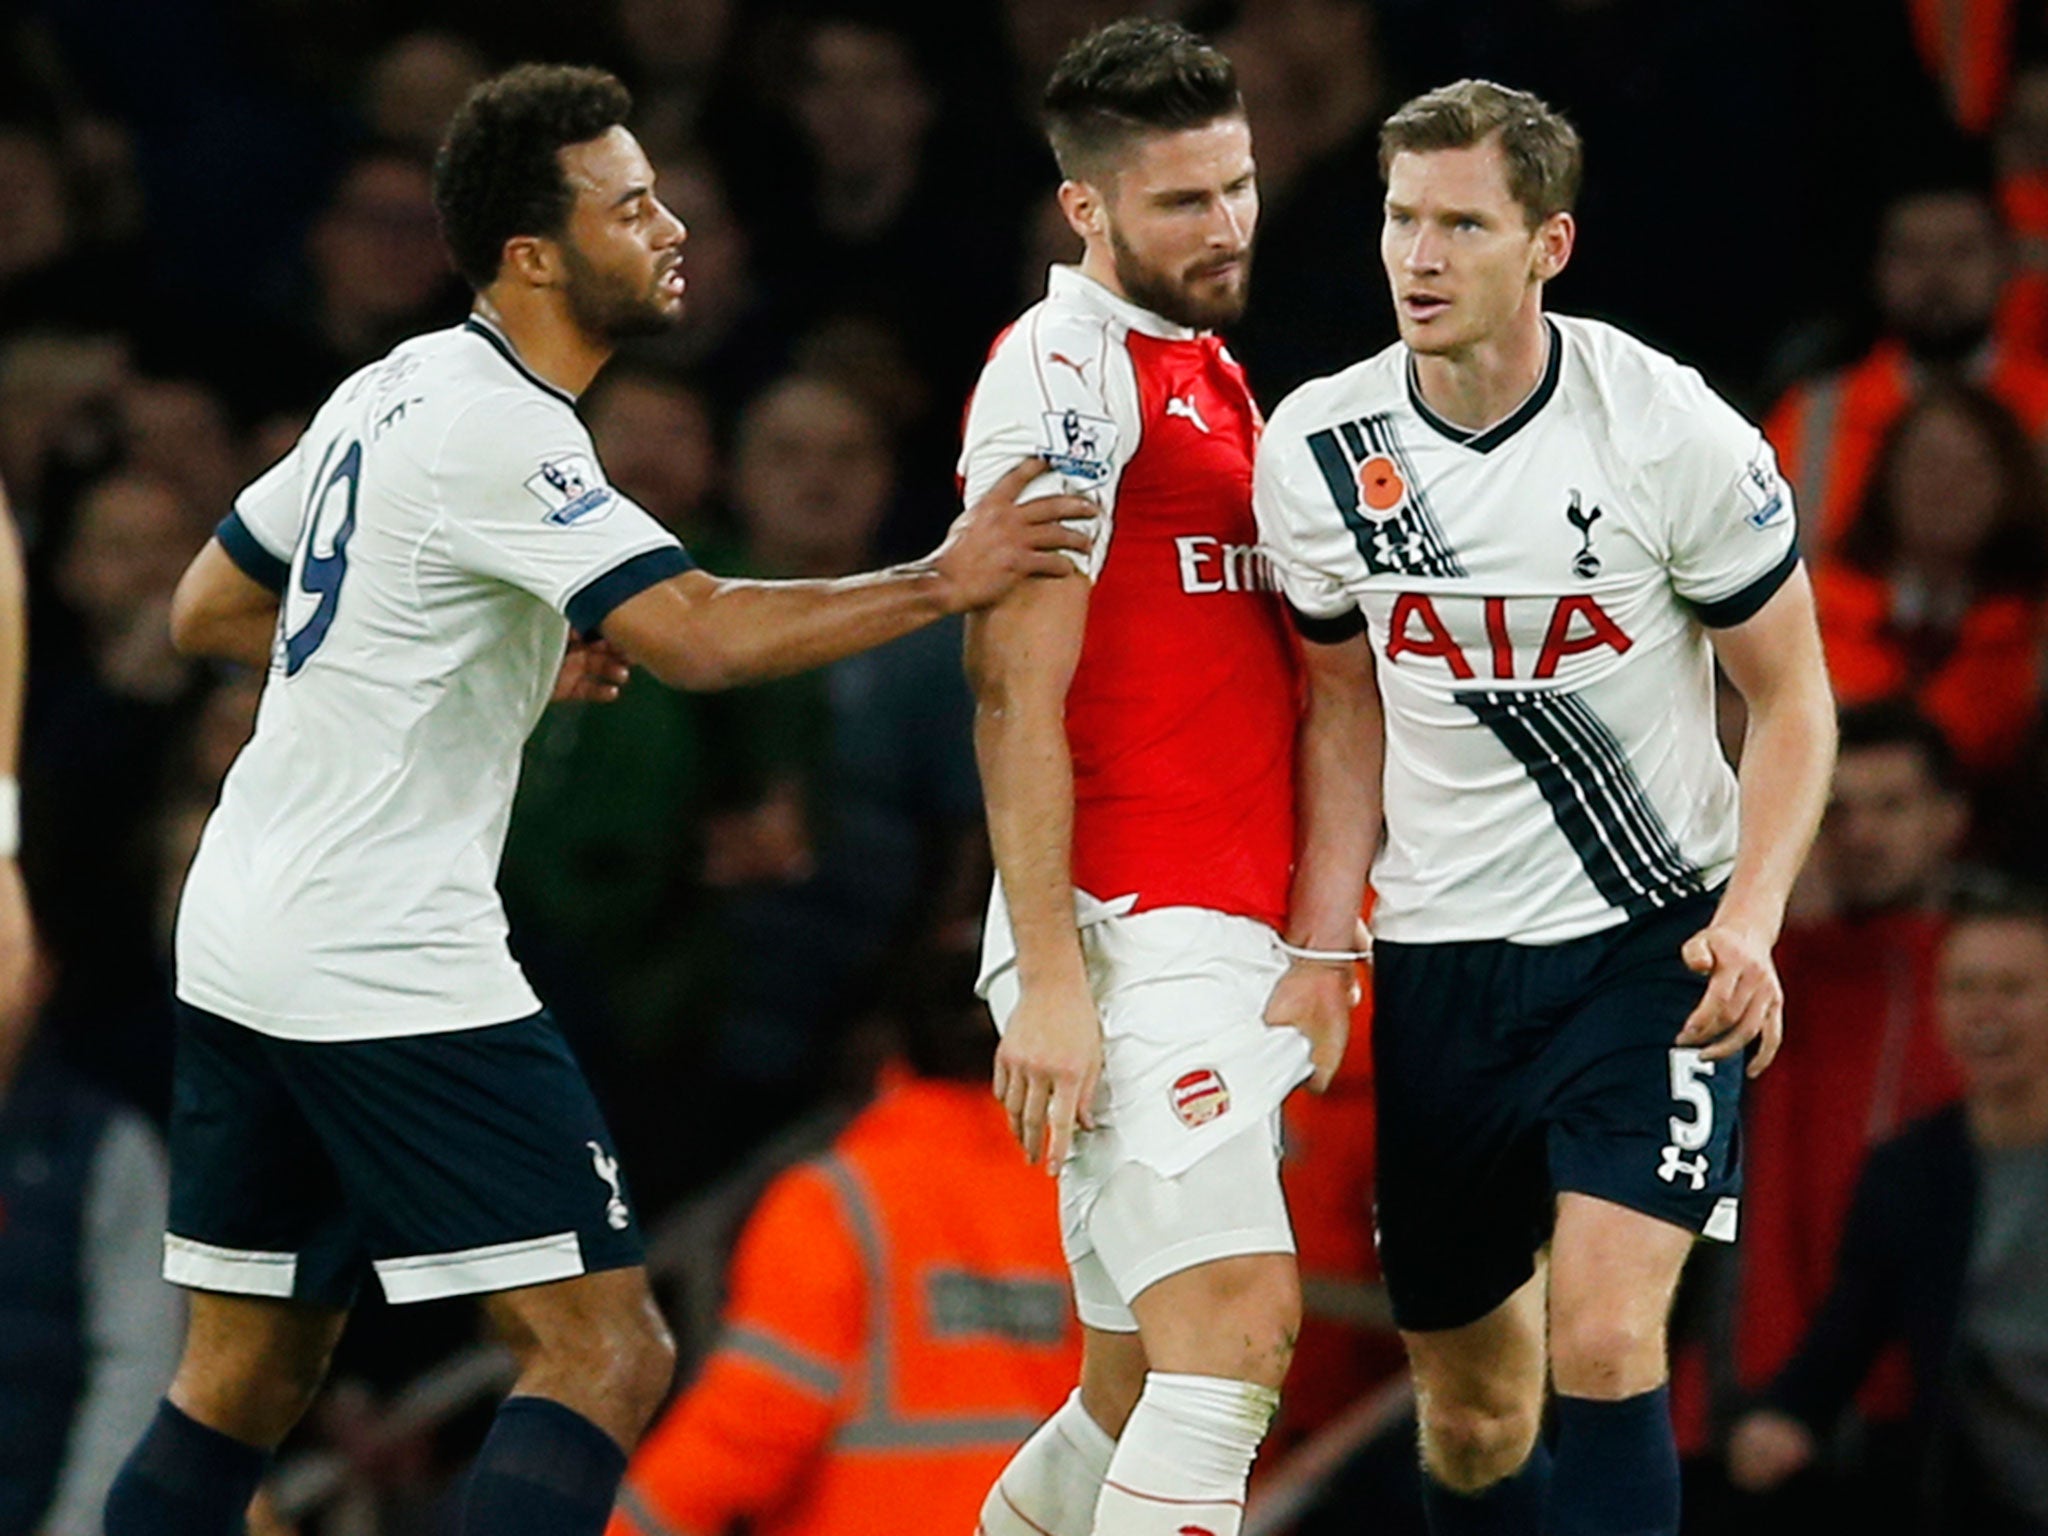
(1182, 712)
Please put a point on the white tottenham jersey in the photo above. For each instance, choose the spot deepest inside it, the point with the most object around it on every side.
(1537, 596)
(434, 534)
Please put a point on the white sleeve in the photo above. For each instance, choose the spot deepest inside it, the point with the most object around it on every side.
(526, 502)
(1060, 387)
(1300, 525)
(1733, 537)
(264, 526)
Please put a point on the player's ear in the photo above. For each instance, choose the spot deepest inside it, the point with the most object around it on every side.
(533, 261)
(1555, 237)
(1082, 204)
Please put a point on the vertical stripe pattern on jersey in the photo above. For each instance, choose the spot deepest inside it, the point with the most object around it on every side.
(1599, 803)
(1340, 453)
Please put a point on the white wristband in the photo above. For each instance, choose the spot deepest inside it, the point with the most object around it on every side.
(10, 818)
(1330, 956)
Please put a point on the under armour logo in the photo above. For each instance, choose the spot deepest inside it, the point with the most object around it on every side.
(1585, 564)
(607, 1168)
(1080, 369)
(1178, 406)
(1676, 1163)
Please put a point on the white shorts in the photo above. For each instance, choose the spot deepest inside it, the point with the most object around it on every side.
(1183, 1164)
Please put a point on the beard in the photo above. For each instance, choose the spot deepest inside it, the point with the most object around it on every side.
(608, 305)
(1173, 297)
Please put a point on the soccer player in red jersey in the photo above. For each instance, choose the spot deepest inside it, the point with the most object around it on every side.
(1136, 734)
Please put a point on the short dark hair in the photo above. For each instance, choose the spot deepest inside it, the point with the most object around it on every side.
(498, 173)
(1544, 157)
(1900, 723)
(1133, 77)
(1994, 898)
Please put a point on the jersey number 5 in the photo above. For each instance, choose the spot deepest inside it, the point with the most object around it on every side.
(320, 576)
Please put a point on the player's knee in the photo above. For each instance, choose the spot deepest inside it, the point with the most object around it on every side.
(256, 1398)
(1607, 1355)
(1468, 1447)
(635, 1360)
(1236, 1317)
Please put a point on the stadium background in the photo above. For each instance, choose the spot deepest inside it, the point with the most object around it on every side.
(211, 210)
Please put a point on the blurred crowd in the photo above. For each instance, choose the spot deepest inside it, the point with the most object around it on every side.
(213, 210)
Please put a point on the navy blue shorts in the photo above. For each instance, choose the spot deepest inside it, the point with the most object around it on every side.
(1507, 1073)
(447, 1164)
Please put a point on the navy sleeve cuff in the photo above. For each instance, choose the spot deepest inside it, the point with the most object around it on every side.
(250, 557)
(1334, 630)
(1739, 607)
(593, 603)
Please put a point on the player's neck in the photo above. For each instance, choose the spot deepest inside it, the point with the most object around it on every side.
(550, 343)
(1480, 385)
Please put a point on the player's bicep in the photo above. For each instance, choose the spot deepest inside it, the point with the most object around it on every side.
(217, 595)
(1022, 653)
(1342, 677)
(1777, 649)
(667, 627)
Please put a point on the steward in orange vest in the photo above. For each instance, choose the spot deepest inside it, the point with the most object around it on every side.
(898, 1320)
(1940, 275)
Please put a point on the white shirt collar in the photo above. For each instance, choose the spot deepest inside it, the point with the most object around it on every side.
(1071, 283)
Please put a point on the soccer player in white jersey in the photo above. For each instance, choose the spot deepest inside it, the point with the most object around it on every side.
(1516, 546)
(365, 1083)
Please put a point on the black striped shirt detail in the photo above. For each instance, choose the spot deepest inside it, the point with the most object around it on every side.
(1409, 542)
(1599, 803)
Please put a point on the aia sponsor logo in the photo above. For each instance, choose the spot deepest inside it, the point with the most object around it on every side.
(1578, 624)
(1200, 1096)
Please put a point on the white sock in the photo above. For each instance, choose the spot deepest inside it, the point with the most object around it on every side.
(1051, 1484)
(1182, 1462)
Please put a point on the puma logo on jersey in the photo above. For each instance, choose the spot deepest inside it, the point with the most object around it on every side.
(1080, 369)
(1585, 564)
(607, 1166)
(1177, 405)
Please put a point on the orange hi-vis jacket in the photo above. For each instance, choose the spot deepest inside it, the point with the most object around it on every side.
(1829, 430)
(899, 1322)
(1967, 46)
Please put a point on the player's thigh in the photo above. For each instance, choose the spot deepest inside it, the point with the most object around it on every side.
(1613, 1274)
(477, 1160)
(257, 1208)
(1206, 1258)
(1462, 1186)
(1635, 1120)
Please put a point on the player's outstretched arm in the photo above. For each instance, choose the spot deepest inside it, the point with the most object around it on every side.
(1788, 756)
(702, 631)
(1021, 657)
(16, 936)
(220, 611)
(1337, 798)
